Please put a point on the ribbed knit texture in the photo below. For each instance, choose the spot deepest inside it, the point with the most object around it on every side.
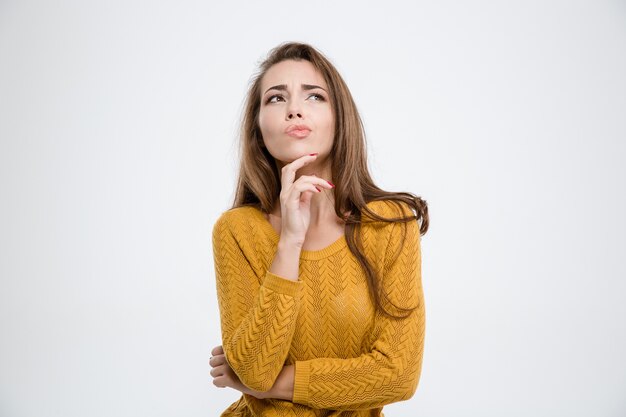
(350, 360)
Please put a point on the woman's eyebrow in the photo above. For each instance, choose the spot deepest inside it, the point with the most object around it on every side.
(283, 87)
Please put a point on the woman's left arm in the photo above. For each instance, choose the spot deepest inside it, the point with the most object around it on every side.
(390, 371)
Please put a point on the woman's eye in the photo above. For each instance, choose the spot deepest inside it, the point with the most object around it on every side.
(271, 98)
(318, 97)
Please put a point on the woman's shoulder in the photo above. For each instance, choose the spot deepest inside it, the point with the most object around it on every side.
(387, 208)
(234, 218)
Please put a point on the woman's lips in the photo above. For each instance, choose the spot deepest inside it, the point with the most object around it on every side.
(299, 133)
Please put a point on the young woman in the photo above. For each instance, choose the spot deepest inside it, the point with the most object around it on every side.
(318, 271)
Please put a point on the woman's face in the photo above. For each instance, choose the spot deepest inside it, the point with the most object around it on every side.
(294, 94)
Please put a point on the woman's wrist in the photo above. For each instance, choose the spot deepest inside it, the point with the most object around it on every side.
(283, 386)
(286, 262)
(290, 244)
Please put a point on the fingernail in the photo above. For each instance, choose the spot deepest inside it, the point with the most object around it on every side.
(313, 154)
(318, 189)
(330, 183)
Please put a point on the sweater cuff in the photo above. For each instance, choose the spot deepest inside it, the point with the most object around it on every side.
(281, 285)
(301, 382)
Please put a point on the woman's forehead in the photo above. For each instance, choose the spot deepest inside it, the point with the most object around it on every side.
(290, 71)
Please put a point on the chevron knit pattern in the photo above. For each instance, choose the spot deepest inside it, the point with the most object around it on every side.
(350, 359)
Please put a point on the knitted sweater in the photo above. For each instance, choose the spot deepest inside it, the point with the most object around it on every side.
(350, 359)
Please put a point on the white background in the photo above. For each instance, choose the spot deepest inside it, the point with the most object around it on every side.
(118, 153)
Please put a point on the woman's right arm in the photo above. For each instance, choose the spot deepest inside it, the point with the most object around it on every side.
(258, 319)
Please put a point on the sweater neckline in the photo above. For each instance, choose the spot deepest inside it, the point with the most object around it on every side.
(336, 246)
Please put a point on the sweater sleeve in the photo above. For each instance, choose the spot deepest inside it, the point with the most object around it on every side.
(390, 371)
(257, 318)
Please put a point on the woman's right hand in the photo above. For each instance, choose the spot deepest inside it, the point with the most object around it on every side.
(295, 199)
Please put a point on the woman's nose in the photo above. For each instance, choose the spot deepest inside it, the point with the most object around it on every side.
(293, 111)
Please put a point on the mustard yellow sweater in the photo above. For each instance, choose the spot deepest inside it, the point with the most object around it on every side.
(350, 360)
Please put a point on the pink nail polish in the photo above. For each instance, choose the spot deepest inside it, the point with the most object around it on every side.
(333, 185)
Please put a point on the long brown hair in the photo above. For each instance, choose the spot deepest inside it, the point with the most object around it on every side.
(259, 182)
